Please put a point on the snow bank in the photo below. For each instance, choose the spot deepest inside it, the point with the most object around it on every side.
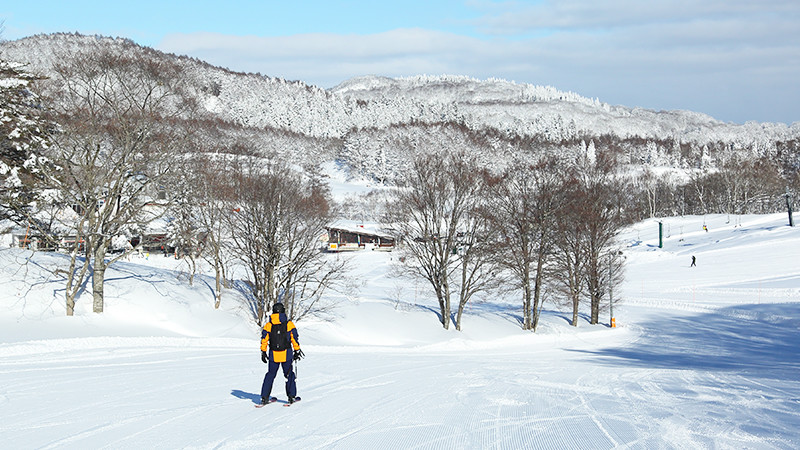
(704, 357)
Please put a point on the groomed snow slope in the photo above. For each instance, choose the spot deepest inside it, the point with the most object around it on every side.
(703, 357)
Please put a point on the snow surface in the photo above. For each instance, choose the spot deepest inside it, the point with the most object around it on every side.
(703, 357)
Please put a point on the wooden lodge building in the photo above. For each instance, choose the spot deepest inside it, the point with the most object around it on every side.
(351, 237)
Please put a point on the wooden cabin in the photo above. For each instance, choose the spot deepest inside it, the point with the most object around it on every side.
(343, 238)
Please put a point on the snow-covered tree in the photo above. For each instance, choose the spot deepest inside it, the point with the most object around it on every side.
(22, 139)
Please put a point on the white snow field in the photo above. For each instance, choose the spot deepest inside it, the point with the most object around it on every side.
(703, 357)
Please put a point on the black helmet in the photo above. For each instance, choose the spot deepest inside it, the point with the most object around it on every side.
(278, 308)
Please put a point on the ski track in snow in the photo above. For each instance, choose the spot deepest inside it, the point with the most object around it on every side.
(706, 358)
(397, 400)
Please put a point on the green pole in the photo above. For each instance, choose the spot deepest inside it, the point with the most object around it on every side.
(612, 322)
(660, 235)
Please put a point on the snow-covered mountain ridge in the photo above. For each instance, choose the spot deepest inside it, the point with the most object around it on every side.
(372, 101)
(459, 89)
(369, 118)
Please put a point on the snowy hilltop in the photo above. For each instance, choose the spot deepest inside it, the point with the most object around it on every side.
(340, 123)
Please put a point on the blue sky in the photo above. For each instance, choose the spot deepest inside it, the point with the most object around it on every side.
(737, 60)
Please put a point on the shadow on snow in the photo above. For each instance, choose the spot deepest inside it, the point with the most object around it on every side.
(761, 340)
(255, 398)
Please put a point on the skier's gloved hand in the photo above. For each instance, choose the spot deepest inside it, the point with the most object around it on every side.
(298, 355)
(264, 357)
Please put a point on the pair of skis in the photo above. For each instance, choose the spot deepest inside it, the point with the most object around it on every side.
(275, 399)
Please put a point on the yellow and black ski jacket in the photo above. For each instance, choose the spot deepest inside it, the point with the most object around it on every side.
(291, 330)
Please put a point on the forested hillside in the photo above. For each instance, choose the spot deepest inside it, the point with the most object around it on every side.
(681, 161)
(501, 116)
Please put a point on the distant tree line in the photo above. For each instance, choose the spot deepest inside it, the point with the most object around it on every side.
(736, 186)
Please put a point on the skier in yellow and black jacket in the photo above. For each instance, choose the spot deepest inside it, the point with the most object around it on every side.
(279, 347)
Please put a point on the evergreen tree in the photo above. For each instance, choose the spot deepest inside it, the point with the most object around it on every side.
(22, 137)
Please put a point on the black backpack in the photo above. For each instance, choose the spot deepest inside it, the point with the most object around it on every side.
(278, 337)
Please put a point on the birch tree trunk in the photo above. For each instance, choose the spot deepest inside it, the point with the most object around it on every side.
(98, 279)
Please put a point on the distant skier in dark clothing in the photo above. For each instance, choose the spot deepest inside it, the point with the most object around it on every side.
(694, 261)
(279, 347)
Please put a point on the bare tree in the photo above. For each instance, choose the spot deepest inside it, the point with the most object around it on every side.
(699, 190)
(183, 230)
(743, 186)
(602, 214)
(587, 256)
(211, 201)
(254, 229)
(305, 272)
(476, 267)
(525, 202)
(432, 206)
(276, 228)
(657, 192)
(570, 255)
(120, 117)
